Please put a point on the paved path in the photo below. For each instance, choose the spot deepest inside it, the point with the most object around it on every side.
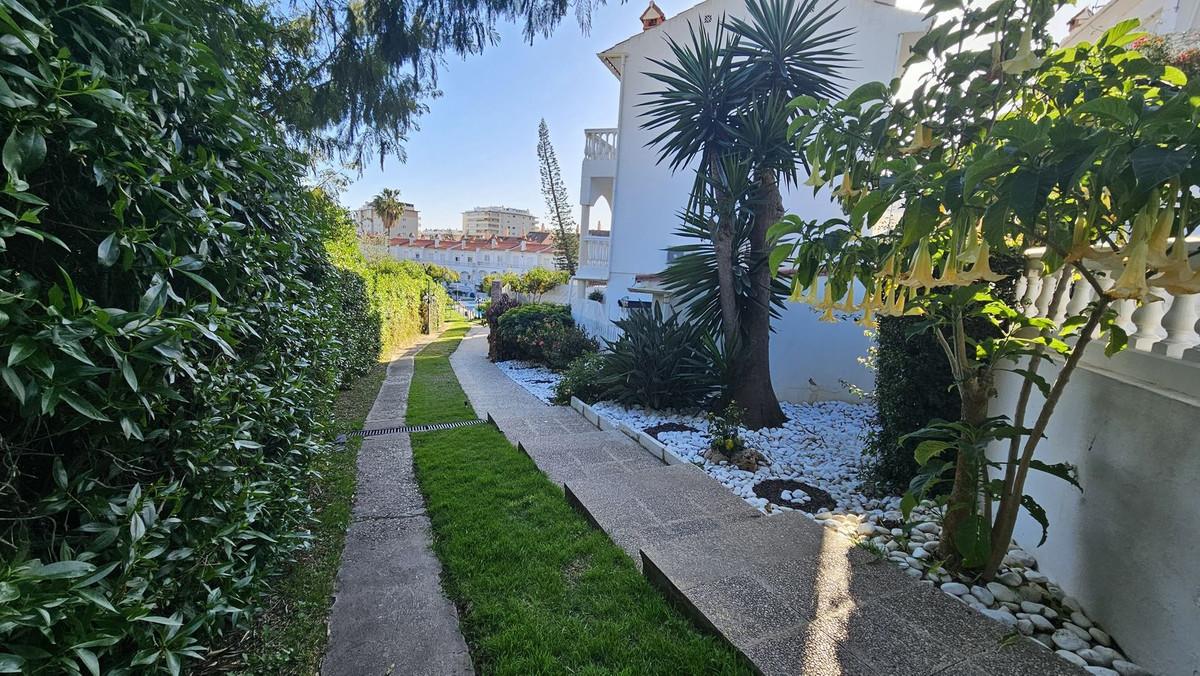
(389, 614)
(793, 597)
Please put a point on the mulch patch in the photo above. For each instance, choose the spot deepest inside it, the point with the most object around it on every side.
(668, 427)
(772, 490)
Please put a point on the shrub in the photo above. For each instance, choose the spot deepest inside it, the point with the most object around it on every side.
(596, 295)
(563, 345)
(658, 363)
(581, 379)
(913, 385)
(495, 310)
(525, 330)
(355, 325)
(539, 281)
(168, 314)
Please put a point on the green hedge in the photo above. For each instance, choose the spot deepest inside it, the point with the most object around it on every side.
(913, 385)
(170, 332)
(543, 333)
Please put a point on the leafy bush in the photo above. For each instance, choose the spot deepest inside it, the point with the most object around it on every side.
(398, 291)
(658, 363)
(492, 314)
(562, 346)
(542, 332)
(172, 333)
(596, 295)
(913, 385)
(356, 325)
(724, 431)
(581, 379)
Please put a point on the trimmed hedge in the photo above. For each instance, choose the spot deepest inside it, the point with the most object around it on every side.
(172, 331)
(913, 385)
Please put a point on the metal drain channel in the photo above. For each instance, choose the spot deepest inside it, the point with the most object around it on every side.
(405, 429)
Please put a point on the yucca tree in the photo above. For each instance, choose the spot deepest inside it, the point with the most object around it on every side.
(389, 208)
(724, 111)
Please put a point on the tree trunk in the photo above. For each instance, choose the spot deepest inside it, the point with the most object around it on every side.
(975, 393)
(753, 390)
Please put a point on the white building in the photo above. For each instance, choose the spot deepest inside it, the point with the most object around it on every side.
(1161, 17)
(369, 222)
(809, 360)
(498, 222)
(474, 258)
(1124, 546)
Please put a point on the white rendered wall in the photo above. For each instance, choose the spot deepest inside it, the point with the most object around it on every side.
(647, 197)
(1126, 547)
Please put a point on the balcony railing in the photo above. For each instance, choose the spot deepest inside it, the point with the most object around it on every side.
(1166, 327)
(593, 251)
(600, 144)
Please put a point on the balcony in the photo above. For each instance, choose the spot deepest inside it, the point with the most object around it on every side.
(599, 166)
(593, 257)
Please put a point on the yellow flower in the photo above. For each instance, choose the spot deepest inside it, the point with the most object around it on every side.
(1160, 236)
(867, 321)
(1025, 58)
(1176, 276)
(920, 274)
(981, 271)
(848, 304)
(729, 444)
(814, 178)
(922, 140)
(1132, 282)
(1080, 246)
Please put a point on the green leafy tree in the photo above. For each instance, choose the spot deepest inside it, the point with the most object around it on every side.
(1088, 152)
(389, 208)
(724, 106)
(558, 204)
(539, 281)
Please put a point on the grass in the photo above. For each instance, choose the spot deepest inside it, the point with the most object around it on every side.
(290, 636)
(538, 589)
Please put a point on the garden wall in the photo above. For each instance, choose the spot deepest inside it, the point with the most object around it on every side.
(1126, 546)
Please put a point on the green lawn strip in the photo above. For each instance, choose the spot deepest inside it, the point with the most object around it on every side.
(435, 395)
(290, 636)
(538, 589)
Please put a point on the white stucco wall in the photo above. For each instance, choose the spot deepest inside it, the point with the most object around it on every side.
(1126, 546)
(647, 197)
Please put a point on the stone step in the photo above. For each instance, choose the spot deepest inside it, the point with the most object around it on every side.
(657, 505)
(585, 455)
(796, 598)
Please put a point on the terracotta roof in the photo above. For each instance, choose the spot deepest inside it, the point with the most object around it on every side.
(474, 244)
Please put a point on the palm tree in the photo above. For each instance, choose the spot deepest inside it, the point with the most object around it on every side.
(725, 103)
(389, 208)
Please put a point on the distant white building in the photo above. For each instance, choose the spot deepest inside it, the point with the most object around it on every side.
(369, 223)
(1160, 17)
(474, 258)
(809, 360)
(498, 222)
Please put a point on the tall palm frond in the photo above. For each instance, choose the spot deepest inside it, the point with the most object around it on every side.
(789, 49)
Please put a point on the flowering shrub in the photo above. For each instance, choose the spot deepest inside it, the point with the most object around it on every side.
(542, 333)
(581, 379)
(724, 431)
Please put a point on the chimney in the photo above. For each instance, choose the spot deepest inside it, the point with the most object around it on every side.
(522, 245)
(652, 16)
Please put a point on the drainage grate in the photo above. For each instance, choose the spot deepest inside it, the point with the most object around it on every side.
(405, 429)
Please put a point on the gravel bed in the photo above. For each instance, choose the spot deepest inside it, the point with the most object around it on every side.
(821, 446)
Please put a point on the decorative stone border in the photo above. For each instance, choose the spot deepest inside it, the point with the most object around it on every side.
(652, 446)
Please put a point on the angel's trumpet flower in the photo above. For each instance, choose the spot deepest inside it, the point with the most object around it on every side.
(814, 178)
(848, 304)
(981, 271)
(920, 275)
(827, 303)
(922, 140)
(1176, 276)
(867, 320)
(1025, 59)
(1080, 246)
(1132, 282)
(1160, 236)
(970, 250)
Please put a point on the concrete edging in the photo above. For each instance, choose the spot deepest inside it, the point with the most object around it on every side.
(651, 445)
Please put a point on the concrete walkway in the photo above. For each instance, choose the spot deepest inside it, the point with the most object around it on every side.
(389, 614)
(791, 596)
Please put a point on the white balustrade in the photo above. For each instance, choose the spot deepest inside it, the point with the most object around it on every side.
(1166, 325)
(600, 144)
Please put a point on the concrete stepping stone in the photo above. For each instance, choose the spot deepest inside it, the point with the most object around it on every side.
(796, 598)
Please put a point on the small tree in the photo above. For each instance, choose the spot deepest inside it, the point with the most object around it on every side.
(724, 104)
(389, 208)
(1087, 151)
(540, 281)
(558, 204)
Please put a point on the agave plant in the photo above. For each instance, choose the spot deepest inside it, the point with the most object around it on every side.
(725, 104)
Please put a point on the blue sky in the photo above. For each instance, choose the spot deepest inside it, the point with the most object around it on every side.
(477, 145)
